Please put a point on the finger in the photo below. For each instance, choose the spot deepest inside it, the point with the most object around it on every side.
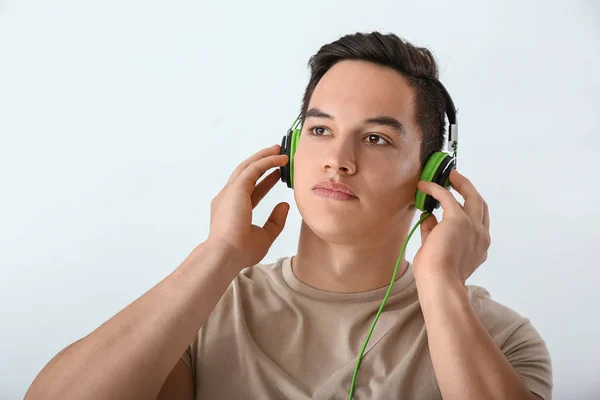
(446, 199)
(254, 171)
(276, 221)
(256, 156)
(473, 201)
(264, 186)
(427, 226)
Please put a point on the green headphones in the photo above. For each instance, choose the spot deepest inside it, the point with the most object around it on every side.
(437, 169)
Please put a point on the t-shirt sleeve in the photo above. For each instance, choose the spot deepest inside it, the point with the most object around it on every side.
(190, 355)
(519, 340)
(528, 354)
(188, 360)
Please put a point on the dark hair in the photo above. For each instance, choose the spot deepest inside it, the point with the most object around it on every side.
(416, 64)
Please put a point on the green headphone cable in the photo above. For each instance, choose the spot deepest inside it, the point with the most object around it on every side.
(425, 215)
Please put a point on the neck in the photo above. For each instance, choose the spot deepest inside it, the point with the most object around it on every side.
(349, 267)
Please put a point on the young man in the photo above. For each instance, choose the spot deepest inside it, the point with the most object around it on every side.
(371, 117)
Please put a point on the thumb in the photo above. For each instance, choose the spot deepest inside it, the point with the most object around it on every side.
(276, 221)
(427, 226)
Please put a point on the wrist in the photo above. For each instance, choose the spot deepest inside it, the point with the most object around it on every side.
(221, 253)
(440, 278)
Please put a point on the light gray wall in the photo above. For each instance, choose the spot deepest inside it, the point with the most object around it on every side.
(120, 120)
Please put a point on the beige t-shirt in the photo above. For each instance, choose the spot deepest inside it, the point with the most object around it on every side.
(273, 337)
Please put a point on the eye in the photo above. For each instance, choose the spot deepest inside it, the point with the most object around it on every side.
(376, 140)
(318, 131)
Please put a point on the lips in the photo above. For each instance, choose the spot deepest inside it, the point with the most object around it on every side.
(334, 190)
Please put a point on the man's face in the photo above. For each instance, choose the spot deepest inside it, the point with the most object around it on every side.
(350, 136)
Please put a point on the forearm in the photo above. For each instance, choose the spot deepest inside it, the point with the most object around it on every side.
(131, 354)
(467, 362)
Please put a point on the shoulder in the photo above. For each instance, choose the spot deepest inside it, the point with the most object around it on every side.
(260, 281)
(501, 321)
(520, 341)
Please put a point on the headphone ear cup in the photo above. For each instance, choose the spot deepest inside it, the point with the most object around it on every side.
(285, 170)
(437, 169)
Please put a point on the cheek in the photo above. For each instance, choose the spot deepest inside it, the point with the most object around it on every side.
(304, 158)
(392, 184)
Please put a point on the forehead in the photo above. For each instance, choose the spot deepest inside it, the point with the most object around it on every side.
(358, 89)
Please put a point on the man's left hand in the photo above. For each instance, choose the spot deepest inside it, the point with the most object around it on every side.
(456, 246)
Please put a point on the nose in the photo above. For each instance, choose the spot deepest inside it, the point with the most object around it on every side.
(340, 157)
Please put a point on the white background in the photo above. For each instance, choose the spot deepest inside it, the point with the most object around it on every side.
(120, 120)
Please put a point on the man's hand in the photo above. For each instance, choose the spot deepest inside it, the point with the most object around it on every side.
(456, 246)
(231, 209)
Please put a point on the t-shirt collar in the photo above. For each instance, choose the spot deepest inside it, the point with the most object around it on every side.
(401, 283)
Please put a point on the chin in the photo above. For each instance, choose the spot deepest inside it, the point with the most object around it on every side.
(335, 227)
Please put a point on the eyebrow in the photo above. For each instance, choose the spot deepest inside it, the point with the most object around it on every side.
(388, 121)
(381, 120)
(318, 113)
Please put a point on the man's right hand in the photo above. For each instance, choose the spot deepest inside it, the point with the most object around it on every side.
(231, 209)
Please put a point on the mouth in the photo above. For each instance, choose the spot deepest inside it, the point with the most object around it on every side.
(334, 190)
